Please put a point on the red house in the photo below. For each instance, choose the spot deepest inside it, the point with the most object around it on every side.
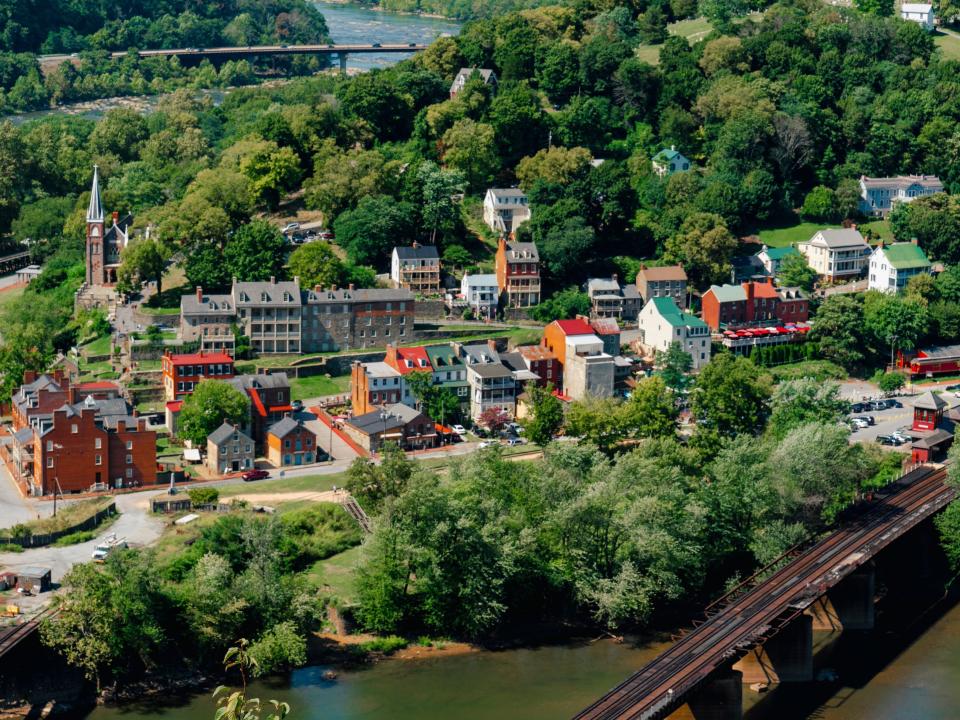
(181, 373)
(753, 303)
(933, 433)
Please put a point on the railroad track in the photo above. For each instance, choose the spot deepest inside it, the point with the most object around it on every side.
(731, 629)
(21, 632)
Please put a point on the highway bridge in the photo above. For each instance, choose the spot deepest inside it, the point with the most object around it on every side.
(769, 617)
(222, 54)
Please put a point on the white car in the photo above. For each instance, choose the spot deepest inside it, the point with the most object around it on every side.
(488, 443)
(859, 423)
(459, 430)
(290, 227)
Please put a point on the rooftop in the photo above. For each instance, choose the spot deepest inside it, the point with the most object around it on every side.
(491, 370)
(902, 181)
(779, 253)
(201, 357)
(929, 401)
(286, 426)
(380, 369)
(223, 433)
(728, 293)
(417, 252)
(904, 256)
(835, 238)
(574, 327)
(675, 316)
(664, 272)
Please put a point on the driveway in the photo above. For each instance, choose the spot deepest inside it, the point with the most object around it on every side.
(135, 523)
(14, 508)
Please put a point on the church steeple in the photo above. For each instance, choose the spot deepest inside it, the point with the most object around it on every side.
(95, 210)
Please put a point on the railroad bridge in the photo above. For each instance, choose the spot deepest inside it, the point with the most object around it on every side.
(219, 55)
(762, 631)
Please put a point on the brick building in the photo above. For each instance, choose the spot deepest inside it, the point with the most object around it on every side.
(181, 373)
(373, 384)
(398, 423)
(269, 395)
(753, 303)
(290, 442)
(40, 395)
(518, 273)
(104, 243)
(543, 363)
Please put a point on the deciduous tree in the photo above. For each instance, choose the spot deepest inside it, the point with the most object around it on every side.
(212, 403)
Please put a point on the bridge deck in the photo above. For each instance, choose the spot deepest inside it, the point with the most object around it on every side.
(743, 621)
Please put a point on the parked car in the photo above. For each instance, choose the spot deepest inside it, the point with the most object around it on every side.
(515, 441)
(902, 437)
(857, 408)
(487, 443)
(251, 475)
(868, 418)
(297, 405)
(515, 428)
(459, 429)
(859, 423)
(326, 235)
(290, 227)
(878, 405)
(952, 388)
(375, 45)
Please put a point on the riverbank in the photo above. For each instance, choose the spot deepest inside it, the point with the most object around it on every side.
(377, 8)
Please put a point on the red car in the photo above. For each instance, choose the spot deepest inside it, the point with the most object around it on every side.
(252, 475)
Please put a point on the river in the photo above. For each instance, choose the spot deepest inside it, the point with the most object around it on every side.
(347, 24)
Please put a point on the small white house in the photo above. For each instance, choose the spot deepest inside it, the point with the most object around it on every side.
(481, 293)
(504, 209)
(661, 323)
(892, 266)
(416, 268)
(920, 13)
(879, 195)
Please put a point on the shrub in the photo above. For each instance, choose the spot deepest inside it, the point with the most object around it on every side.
(279, 648)
(204, 496)
(386, 645)
(75, 538)
(11, 547)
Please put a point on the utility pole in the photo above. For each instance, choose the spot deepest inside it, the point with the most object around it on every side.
(893, 340)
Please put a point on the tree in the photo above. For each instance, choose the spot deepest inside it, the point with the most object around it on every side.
(279, 648)
(673, 365)
(494, 419)
(546, 416)
(562, 305)
(889, 382)
(797, 402)
(316, 264)
(144, 259)
(211, 404)
(470, 147)
(372, 484)
(439, 189)
(839, 330)
(730, 396)
(795, 272)
(456, 256)
(206, 268)
(705, 247)
(236, 705)
(255, 252)
(820, 204)
(557, 165)
(370, 231)
(436, 401)
(892, 319)
(881, 8)
(651, 410)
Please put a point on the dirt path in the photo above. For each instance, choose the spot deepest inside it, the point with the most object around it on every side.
(266, 498)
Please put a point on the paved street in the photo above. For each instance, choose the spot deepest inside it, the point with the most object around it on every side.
(14, 508)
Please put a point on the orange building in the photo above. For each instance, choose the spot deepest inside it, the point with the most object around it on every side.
(556, 333)
(290, 442)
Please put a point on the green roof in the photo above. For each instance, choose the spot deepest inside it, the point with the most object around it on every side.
(675, 316)
(905, 256)
(781, 252)
(666, 154)
(728, 293)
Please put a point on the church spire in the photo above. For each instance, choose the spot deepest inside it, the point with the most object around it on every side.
(95, 211)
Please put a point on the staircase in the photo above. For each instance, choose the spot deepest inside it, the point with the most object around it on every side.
(357, 513)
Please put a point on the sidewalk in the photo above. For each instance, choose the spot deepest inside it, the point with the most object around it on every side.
(334, 441)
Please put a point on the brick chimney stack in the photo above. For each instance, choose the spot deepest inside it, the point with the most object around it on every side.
(199, 293)
(116, 217)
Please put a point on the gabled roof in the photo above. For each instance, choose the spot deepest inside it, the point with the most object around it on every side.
(286, 426)
(667, 154)
(930, 182)
(359, 295)
(202, 357)
(465, 73)
(664, 272)
(481, 280)
(573, 327)
(267, 293)
(779, 253)
(413, 359)
(417, 252)
(397, 415)
(669, 311)
(728, 293)
(916, 7)
(605, 326)
(224, 433)
(522, 252)
(210, 304)
(491, 370)
(764, 289)
(443, 357)
(904, 256)
(835, 238)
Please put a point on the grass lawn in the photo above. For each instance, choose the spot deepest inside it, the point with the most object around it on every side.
(880, 228)
(338, 574)
(68, 515)
(7, 297)
(319, 385)
(784, 236)
(305, 483)
(146, 310)
(949, 44)
(100, 346)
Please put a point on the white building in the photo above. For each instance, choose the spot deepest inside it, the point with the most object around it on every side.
(836, 254)
(504, 209)
(892, 266)
(878, 195)
(481, 294)
(587, 370)
(662, 323)
(920, 13)
(489, 77)
(416, 268)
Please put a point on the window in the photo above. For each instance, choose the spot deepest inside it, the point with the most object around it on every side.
(129, 444)
(99, 460)
(73, 429)
(129, 459)
(49, 445)
(49, 462)
(246, 447)
(286, 444)
(129, 473)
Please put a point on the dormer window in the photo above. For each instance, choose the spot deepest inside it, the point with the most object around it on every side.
(244, 297)
(264, 297)
(287, 297)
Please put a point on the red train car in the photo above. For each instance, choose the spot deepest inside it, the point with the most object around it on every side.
(932, 361)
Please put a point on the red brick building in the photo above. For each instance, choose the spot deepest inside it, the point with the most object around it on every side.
(544, 363)
(181, 373)
(753, 303)
(40, 395)
(932, 432)
(269, 395)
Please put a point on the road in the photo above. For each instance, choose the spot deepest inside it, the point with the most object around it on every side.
(14, 508)
(749, 615)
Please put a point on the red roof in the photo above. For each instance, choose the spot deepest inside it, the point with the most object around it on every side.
(574, 327)
(764, 290)
(412, 359)
(98, 385)
(195, 358)
(174, 405)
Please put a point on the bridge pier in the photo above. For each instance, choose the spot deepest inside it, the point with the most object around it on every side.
(848, 605)
(786, 657)
(718, 698)
(343, 63)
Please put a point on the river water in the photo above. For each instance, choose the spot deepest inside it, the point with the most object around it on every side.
(347, 24)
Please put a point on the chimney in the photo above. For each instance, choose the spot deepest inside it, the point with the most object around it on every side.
(673, 147)
(913, 240)
(199, 293)
(350, 287)
(492, 344)
(116, 216)
(415, 245)
(318, 289)
(748, 286)
(29, 376)
(333, 288)
(615, 278)
(273, 280)
(769, 280)
(390, 358)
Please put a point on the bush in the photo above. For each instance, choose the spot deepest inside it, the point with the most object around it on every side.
(279, 648)
(11, 547)
(75, 538)
(204, 496)
(386, 645)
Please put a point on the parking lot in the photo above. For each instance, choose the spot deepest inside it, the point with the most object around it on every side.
(892, 419)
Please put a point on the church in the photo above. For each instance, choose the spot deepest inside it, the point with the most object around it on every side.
(104, 244)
